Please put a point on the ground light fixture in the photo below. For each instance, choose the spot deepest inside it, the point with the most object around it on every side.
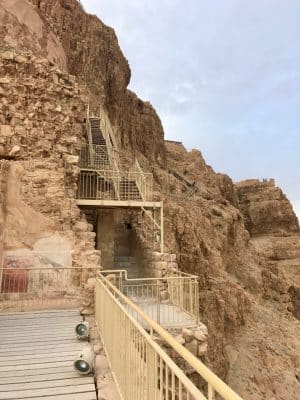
(85, 360)
(82, 330)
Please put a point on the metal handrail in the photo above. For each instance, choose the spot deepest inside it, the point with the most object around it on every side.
(108, 184)
(24, 288)
(214, 384)
(172, 300)
(125, 273)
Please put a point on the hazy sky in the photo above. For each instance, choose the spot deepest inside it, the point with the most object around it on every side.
(223, 75)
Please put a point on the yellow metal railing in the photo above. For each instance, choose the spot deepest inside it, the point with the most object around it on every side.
(104, 184)
(172, 301)
(25, 288)
(143, 182)
(141, 368)
(94, 157)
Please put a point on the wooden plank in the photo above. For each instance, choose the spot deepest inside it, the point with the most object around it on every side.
(32, 326)
(63, 311)
(43, 352)
(44, 339)
(39, 378)
(40, 350)
(35, 360)
(33, 322)
(42, 371)
(25, 394)
(15, 347)
(35, 366)
(78, 396)
(39, 325)
(33, 333)
(39, 321)
(41, 318)
(52, 342)
(46, 384)
(37, 330)
(22, 356)
(40, 314)
(35, 315)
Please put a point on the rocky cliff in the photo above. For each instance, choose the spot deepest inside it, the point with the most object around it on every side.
(266, 209)
(275, 235)
(252, 333)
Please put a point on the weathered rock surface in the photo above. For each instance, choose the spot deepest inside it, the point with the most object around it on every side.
(266, 209)
(247, 305)
(41, 113)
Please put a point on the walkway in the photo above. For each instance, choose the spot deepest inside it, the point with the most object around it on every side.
(37, 351)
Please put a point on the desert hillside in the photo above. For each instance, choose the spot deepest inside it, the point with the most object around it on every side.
(242, 240)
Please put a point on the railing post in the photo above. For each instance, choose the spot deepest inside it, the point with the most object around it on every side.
(161, 228)
(210, 392)
(158, 303)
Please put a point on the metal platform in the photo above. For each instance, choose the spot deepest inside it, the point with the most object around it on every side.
(119, 203)
(37, 351)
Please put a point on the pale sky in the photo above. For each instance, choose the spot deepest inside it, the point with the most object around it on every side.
(224, 77)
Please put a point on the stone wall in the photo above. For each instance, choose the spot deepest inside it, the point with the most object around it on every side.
(159, 264)
(41, 120)
(105, 237)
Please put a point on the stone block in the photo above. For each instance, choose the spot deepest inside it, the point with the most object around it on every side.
(14, 151)
(157, 256)
(8, 55)
(5, 80)
(161, 265)
(187, 334)
(192, 346)
(101, 365)
(20, 59)
(202, 349)
(6, 130)
(200, 336)
(70, 159)
(174, 258)
(166, 257)
(201, 333)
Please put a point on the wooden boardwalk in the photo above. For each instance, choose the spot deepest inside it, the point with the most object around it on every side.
(37, 351)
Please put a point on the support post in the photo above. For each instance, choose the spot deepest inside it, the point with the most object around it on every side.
(162, 228)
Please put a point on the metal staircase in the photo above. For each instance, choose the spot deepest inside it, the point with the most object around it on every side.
(101, 176)
(103, 183)
(97, 136)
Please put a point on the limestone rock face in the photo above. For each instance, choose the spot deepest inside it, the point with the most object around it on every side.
(22, 28)
(41, 115)
(94, 56)
(265, 208)
(275, 233)
(248, 299)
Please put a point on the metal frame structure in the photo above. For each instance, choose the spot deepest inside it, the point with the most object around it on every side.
(103, 184)
(141, 368)
(172, 301)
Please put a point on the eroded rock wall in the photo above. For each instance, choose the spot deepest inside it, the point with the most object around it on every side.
(94, 56)
(266, 209)
(275, 235)
(41, 120)
(42, 112)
